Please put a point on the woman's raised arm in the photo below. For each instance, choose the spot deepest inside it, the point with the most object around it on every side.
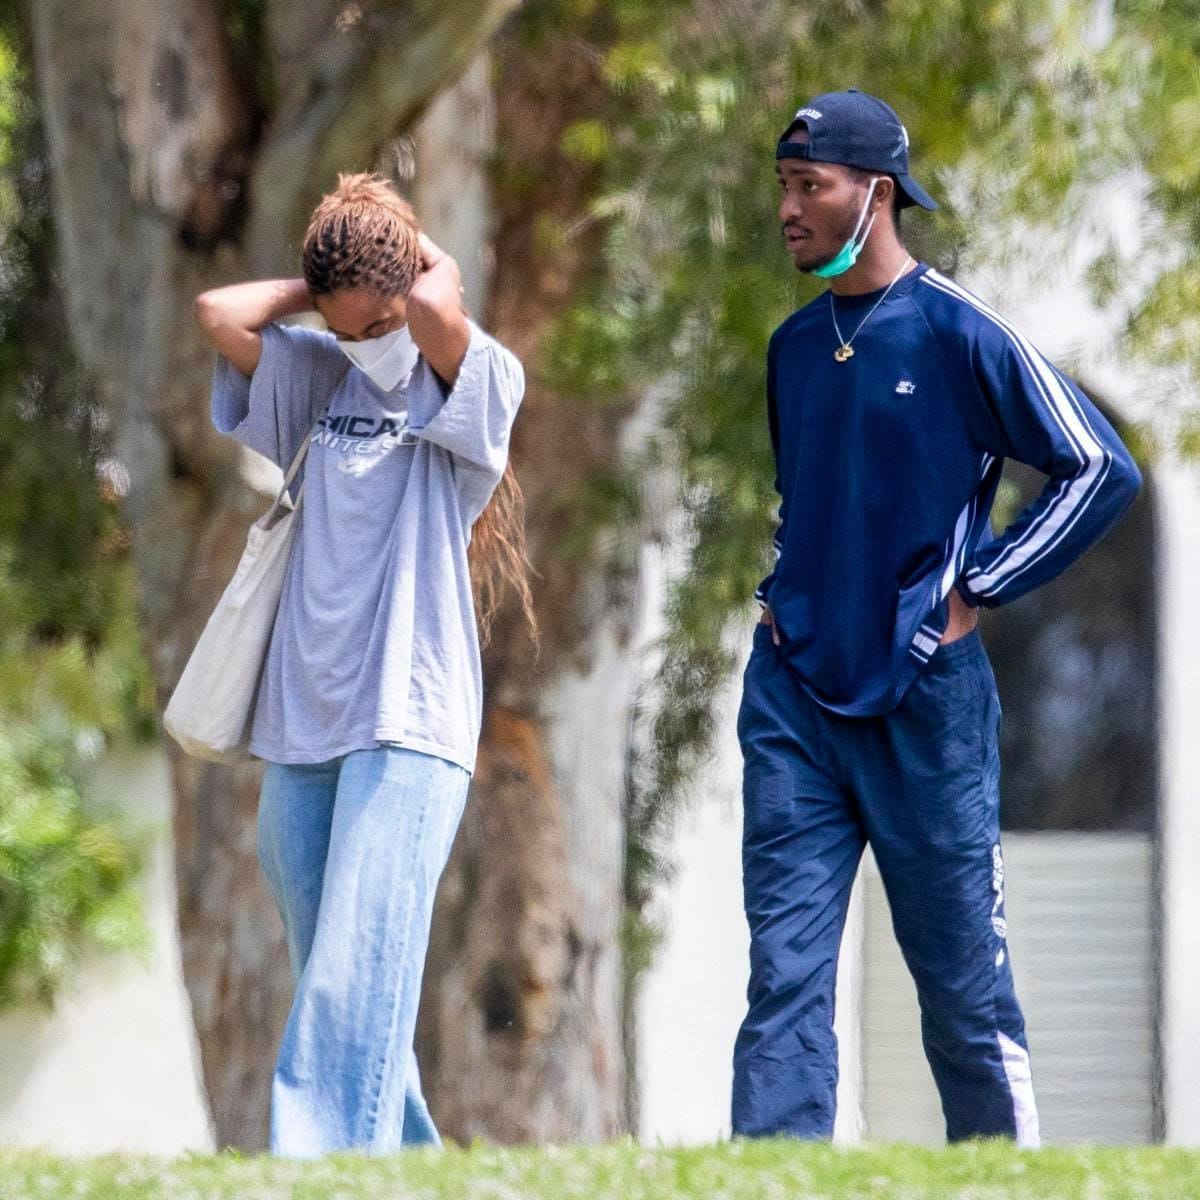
(437, 319)
(232, 316)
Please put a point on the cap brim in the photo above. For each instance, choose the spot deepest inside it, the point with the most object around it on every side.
(913, 193)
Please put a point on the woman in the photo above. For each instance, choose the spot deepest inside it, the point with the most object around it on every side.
(368, 713)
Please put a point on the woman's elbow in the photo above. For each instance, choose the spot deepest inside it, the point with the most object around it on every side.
(206, 311)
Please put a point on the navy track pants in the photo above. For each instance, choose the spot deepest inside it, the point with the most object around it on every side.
(921, 785)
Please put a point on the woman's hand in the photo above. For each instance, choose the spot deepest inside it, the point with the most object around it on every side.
(437, 318)
(231, 317)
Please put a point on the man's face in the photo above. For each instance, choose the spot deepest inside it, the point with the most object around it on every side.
(819, 207)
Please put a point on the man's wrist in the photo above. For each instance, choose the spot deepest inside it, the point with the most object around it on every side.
(964, 592)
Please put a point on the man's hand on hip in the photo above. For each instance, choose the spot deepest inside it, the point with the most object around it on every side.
(963, 618)
(768, 618)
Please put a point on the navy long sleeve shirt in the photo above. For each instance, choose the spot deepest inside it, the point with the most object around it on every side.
(887, 466)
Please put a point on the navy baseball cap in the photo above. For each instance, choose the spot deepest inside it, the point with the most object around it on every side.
(855, 130)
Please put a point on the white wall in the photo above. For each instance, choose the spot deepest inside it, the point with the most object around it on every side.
(1179, 720)
(1080, 935)
(695, 995)
(114, 1068)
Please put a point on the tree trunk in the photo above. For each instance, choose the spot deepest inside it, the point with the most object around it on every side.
(520, 1035)
(174, 172)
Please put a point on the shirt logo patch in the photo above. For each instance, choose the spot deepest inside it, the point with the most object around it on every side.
(905, 387)
(361, 441)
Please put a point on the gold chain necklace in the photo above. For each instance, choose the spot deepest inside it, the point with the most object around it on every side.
(845, 350)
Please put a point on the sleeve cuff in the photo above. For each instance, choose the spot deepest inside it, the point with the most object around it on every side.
(473, 419)
(234, 395)
(968, 597)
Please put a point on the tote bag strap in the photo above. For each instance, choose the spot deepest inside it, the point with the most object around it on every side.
(291, 474)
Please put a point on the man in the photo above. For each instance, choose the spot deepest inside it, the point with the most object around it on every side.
(870, 711)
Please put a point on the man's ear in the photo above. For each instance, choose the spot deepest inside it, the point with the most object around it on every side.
(885, 190)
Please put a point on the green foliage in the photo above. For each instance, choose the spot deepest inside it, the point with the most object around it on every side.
(246, 29)
(72, 675)
(1017, 116)
(640, 940)
(66, 874)
(740, 1170)
(1153, 60)
(586, 141)
(600, 503)
(64, 877)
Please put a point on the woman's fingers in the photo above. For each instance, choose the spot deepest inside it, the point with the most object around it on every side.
(431, 253)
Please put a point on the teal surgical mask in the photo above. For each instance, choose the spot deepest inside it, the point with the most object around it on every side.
(847, 256)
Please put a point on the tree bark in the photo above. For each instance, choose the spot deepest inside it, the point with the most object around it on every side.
(523, 995)
(173, 174)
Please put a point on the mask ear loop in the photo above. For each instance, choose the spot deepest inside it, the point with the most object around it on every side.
(863, 217)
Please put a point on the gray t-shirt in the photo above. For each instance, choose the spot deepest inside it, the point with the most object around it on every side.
(375, 639)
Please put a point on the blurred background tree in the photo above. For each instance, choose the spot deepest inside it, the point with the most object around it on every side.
(72, 676)
(638, 271)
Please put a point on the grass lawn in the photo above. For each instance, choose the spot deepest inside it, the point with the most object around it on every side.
(761, 1170)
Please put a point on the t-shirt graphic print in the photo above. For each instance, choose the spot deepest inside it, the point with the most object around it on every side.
(362, 439)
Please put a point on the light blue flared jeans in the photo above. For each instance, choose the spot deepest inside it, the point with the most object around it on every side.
(352, 850)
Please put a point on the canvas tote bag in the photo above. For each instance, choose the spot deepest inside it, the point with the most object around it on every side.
(211, 709)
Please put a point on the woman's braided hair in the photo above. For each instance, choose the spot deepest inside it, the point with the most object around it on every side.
(364, 235)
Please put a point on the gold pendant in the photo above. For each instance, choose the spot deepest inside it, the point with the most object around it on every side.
(843, 352)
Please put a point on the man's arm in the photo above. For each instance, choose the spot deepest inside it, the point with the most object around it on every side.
(231, 317)
(1046, 421)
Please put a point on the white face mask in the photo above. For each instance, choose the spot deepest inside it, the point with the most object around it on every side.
(386, 361)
